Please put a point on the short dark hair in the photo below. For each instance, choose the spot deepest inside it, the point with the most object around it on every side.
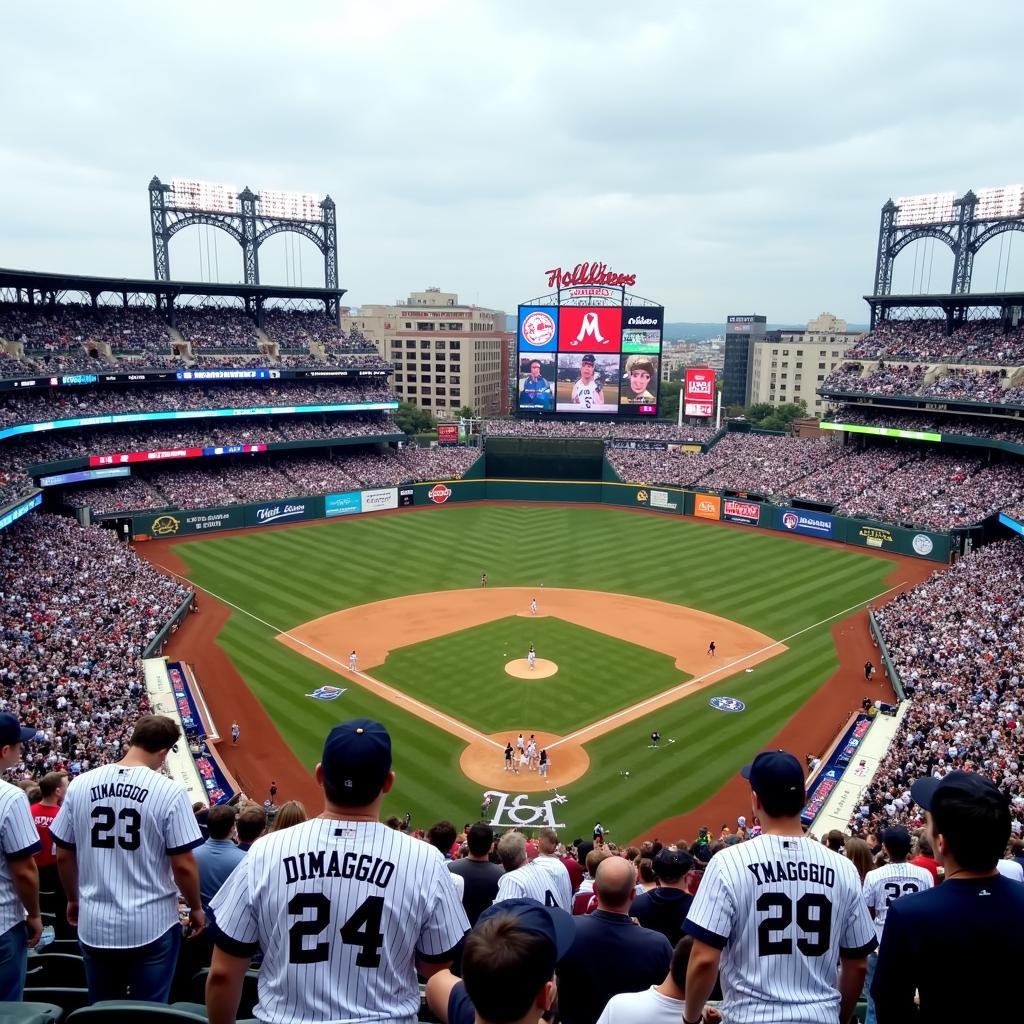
(442, 836)
(251, 823)
(51, 782)
(480, 839)
(680, 961)
(783, 805)
(154, 733)
(835, 840)
(504, 967)
(976, 829)
(537, 361)
(220, 821)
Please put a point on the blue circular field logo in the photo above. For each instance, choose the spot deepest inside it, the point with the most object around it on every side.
(727, 704)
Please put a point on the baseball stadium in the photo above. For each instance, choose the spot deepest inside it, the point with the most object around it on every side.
(571, 612)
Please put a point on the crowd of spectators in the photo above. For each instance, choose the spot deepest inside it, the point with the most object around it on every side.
(252, 479)
(131, 329)
(884, 379)
(217, 328)
(926, 341)
(957, 642)
(962, 426)
(654, 430)
(294, 329)
(78, 609)
(29, 407)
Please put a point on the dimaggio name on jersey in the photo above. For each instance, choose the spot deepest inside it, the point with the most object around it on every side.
(363, 867)
(792, 871)
(125, 790)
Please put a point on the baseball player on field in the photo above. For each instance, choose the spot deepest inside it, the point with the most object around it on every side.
(353, 661)
(508, 756)
(125, 836)
(776, 914)
(588, 390)
(531, 658)
(345, 909)
(20, 920)
(533, 606)
(545, 878)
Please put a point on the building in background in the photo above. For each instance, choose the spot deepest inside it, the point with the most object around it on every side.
(742, 332)
(444, 355)
(791, 364)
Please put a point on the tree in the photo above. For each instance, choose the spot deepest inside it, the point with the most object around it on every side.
(766, 416)
(412, 419)
(466, 412)
(668, 405)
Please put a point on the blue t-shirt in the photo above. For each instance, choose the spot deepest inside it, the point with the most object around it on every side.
(216, 859)
(965, 933)
(536, 392)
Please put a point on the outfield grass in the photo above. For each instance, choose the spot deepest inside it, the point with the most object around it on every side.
(464, 674)
(762, 579)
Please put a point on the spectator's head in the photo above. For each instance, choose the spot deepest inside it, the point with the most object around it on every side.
(220, 821)
(32, 790)
(777, 783)
(896, 843)
(441, 836)
(547, 841)
(645, 871)
(290, 813)
(594, 858)
(155, 735)
(480, 839)
(859, 852)
(512, 850)
(671, 866)
(355, 767)
(924, 844)
(967, 818)
(52, 787)
(615, 884)
(680, 962)
(12, 736)
(835, 840)
(251, 823)
(509, 959)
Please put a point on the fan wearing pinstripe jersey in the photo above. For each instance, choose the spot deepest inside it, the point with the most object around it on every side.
(544, 879)
(776, 914)
(125, 835)
(344, 908)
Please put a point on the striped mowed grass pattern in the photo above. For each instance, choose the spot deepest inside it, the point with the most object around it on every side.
(764, 580)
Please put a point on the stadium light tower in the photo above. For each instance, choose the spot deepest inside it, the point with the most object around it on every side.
(250, 218)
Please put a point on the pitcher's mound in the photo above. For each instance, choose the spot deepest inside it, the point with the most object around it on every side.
(520, 668)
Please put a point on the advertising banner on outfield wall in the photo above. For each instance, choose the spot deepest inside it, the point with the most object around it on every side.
(664, 501)
(288, 511)
(707, 506)
(406, 497)
(174, 524)
(746, 512)
(887, 537)
(374, 501)
(810, 524)
(345, 504)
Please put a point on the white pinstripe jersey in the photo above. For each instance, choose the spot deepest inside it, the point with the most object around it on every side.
(884, 885)
(545, 879)
(123, 824)
(340, 909)
(17, 840)
(782, 910)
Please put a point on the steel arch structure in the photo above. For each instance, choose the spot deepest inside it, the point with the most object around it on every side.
(247, 225)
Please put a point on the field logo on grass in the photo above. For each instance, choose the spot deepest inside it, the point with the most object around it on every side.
(515, 811)
(727, 704)
(326, 693)
(439, 494)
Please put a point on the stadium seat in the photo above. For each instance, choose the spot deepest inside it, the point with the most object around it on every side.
(68, 999)
(30, 1013)
(62, 969)
(58, 946)
(132, 1011)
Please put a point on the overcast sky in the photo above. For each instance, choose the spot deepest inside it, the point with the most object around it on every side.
(733, 156)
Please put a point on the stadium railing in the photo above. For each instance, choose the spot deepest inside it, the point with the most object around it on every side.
(890, 668)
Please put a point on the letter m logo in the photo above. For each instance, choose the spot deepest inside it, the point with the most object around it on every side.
(591, 327)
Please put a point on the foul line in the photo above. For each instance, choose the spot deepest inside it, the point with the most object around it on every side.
(393, 695)
(601, 725)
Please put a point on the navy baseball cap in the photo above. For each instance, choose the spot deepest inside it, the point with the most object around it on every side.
(672, 862)
(356, 761)
(774, 773)
(12, 732)
(896, 839)
(552, 923)
(965, 784)
(588, 358)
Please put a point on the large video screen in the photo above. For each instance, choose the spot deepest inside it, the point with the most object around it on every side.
(589, 360)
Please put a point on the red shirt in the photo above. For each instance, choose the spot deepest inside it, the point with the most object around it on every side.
(928, 862)
(575, 869)
(43, 815)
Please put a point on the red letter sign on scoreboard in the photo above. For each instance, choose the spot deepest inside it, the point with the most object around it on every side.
(700, 392)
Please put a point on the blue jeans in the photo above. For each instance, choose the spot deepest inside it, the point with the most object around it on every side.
(144, 972)
(13, 960)
(872, 963)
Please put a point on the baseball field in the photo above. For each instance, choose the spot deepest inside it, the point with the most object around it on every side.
(627, 605)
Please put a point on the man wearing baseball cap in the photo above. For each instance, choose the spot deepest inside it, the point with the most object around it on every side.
(664, 909)
(966, 932)
(20, 921)
(508, 966)
(777, 914)
(345, 909)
